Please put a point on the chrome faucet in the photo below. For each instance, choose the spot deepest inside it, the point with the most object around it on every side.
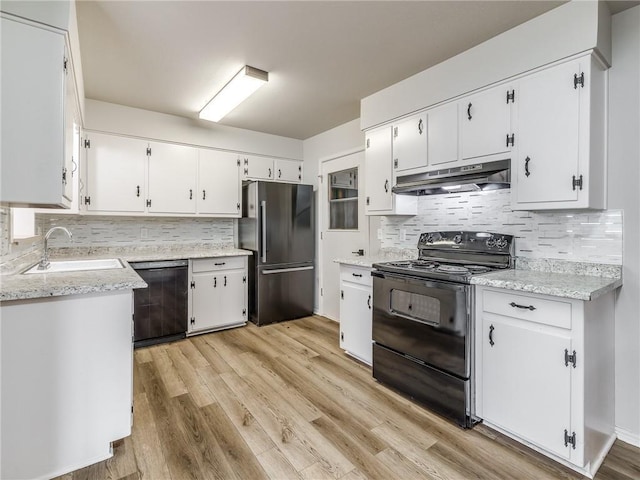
(44, 263)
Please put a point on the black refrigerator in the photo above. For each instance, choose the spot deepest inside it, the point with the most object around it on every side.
(277, 224)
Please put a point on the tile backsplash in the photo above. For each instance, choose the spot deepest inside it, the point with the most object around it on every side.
(119, 231)
(594, 237)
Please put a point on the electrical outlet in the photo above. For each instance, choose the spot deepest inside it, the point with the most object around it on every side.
(379, 234)
(403, 234)
(143, 232)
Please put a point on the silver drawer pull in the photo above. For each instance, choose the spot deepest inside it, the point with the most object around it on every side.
(524, 307)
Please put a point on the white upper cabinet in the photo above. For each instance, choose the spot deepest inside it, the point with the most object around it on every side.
(219, 185)
(485, 123)
(410, 144)
(33, 90)
(115, 173)
(560, 152)
(378, 172)
(288, 171)
(442, 134)
(257, 168)
(379, 175)
(172, 178)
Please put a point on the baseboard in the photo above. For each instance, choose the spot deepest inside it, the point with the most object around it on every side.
(628, 437)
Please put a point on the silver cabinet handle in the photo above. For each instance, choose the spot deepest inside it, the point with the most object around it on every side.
(263, 207)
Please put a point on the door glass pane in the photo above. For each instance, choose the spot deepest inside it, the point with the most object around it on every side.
(343, 200)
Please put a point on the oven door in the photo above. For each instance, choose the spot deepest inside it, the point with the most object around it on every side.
(424, 319)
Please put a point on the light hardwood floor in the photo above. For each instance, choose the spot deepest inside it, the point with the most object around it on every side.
(284, 402)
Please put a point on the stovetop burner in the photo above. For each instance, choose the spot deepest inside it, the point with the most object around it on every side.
(456, 256)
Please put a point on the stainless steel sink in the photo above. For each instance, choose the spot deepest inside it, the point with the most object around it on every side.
(59, 266)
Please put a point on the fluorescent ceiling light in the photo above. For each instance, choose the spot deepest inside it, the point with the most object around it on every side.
(246, 81)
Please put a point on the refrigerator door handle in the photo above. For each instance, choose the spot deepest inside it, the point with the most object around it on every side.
(263, 207)
(286, 270)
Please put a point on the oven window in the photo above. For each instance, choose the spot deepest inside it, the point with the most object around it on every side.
(420, 307)
(343, 200)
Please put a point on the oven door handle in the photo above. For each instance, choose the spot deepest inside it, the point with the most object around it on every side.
(414, 319)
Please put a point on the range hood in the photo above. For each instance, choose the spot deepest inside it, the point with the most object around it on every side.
(468, 178)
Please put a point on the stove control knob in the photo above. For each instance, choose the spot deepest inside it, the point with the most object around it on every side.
(501, 243)
(457, 239)
(491, 242)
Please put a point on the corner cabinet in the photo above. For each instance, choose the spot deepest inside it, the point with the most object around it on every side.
(545, 370)
(39, 106)
(379, 177)
(218, 294)
(356, 290)
(561, 156)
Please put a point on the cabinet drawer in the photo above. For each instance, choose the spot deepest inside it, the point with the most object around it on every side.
(540, 310)
(360, 275)
(218, 263)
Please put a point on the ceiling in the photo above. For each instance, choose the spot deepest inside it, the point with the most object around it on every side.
(322, 57)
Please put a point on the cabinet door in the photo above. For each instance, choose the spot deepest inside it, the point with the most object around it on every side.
(32, 115)
(115, 173)
(442, 133)
(485, 120)
(378, 170)
(526, 385)
(548, 138)
(410, 144)
(218, 299)
(219, 185)
(172, 178)
(289, 171)
(69, 131)
(257, 168)
(355, 321)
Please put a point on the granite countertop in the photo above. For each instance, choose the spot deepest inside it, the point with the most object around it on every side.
(385, 255)
(566, 285)
(15, 286)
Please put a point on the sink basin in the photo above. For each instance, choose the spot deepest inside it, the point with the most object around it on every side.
(77, 266)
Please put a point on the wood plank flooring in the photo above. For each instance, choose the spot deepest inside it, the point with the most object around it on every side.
(284, 402)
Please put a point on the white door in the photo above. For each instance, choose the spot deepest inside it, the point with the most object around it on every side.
(442, 128)
(355, 321)
(548, 138)
(257, 168)
(288, 171)
(410, 144)
(345, 227)
(115, 173)
(379, 171)
(485, 121)
(219, 186)
(172, 178)
(526, 384)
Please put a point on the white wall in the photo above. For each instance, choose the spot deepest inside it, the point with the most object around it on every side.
(572, 28)
(112, 118)
(624, 178)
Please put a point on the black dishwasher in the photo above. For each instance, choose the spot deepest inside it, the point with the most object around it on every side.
(160, 310)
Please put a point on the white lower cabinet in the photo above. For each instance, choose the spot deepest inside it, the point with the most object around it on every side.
(67, 381)
(355, 312)
(217, 294)
(545, 373)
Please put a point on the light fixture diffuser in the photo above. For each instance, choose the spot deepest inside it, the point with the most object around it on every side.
(239, 88)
